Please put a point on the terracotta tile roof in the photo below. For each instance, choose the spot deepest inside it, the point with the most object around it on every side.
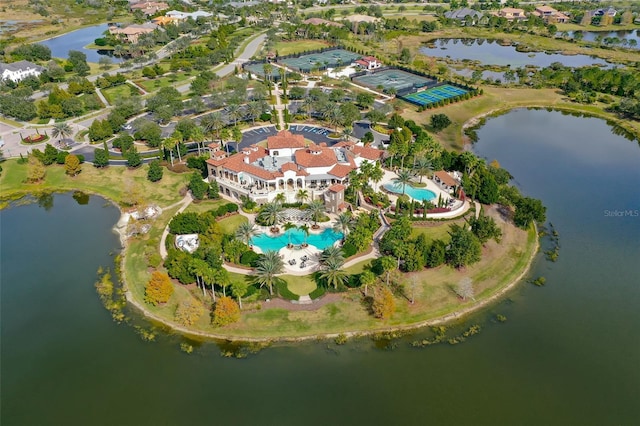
(337, 188)
(370, 59)
(343, 206)
(320, 21)
(445, 178)
(285, 139)
(340, 170)
(325, 157)
(367, 152)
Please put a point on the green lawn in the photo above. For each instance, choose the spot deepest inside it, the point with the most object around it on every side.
(131, 183)
(231, 223)
(290, 47)
(151, 85)
(118, 92)
(300, 285)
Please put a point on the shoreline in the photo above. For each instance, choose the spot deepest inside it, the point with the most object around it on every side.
(140, 307)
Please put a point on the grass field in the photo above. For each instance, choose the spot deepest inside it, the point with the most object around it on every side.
(118, 92)
(131, 183)
(300, 285)
(151, 85)
(290, 47)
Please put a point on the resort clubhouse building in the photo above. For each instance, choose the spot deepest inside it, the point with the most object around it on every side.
(287, 164)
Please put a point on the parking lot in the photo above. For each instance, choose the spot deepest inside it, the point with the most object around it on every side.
(316, 134)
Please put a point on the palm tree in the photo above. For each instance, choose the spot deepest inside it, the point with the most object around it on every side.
(302, 195)
(333, 273)
(199, 267)
(331, 254)
(235, 113)
(308, 105)
(344, 223)
(246, 231)
(280, 199)
(119, 50)
(366, 279)
(212, 123)
(61, 130)
(254, 109)
(305, 230)
(316, 207)
(236, 133)
(269, 265)
(287, 227)
(269, 213)
(388, 264)
(376, 175)
(221, 277)
(197, 135)
(423, 167)
(169, 144)
(404, 177)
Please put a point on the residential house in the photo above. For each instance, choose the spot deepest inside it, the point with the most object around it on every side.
(610, 11)
(369, 63)
(131, 33)
(183, 16)
(286, 165)
(512, 14)
(550, 15)
(149, 7)
(464, 15)
(445, 180)
(17, 71)
(320, 21)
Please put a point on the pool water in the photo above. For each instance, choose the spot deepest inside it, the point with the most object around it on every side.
(419, 194)
(321, 241)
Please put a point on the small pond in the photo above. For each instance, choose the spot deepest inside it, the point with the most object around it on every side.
(77, 40)
(490, 52)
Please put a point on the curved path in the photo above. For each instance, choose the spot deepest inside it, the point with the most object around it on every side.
(184, 203)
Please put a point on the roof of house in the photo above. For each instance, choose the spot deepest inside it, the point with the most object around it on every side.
(512, 10)
(184, 15)
(445, 178)
(336, 188)
(341, 170)
(285, 139)
(369, 58)
(545, 9)
(320, 21)
(316, 157)
(462, 13)
(367, 152)
(19, 66)
(361, 18)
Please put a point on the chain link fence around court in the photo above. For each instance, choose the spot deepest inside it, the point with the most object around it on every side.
(320, 60)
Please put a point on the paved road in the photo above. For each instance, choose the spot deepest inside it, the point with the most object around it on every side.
(362, 127)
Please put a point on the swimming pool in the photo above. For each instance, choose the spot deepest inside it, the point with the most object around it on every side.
(419, 194)
(321, 241)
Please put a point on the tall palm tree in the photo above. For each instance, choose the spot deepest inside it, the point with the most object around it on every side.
(308, 106)
(332, 114)
(302, 195)
(213, 123)
(423, 167)
(333, 273)
(246, 231)
(316, 208)
(404, 177)
(254, 109)
(197, 135)
(331, 254)
(199, 267)
(61, 131)
(235, 113)
(344, 223)
(376, 175)
(305, 231)
(280, 199)
(269, 265)
(287, 227)
(366, 279)
(269, 213)
(169, 144)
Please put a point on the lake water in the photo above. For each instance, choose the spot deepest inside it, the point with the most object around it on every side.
(622, 35)
(567, 354)
(77, 40)
(490, 52)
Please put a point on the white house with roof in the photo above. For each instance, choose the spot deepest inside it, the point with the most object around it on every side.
(17, 71)
(286, 165)
(183, 16)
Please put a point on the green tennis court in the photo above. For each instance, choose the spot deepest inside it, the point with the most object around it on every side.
(258, 69)
(393, 79)
(321, 60)
(434, 95)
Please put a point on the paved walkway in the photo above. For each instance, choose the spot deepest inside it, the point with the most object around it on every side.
(184, 204)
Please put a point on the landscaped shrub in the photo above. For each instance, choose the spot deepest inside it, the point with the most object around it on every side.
(189, 311)
(222, 210)
(226, 311)
(159, 289)
(349, 249)
(284, 292)
(186, 223)
(249, 258)
(318, 292)
(232, 208)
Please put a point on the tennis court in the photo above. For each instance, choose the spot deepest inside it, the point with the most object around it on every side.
(258, 69)
(393, 79)
(321, 60)
(435, 94)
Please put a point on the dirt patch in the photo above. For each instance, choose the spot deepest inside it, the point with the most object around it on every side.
(289, 306)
